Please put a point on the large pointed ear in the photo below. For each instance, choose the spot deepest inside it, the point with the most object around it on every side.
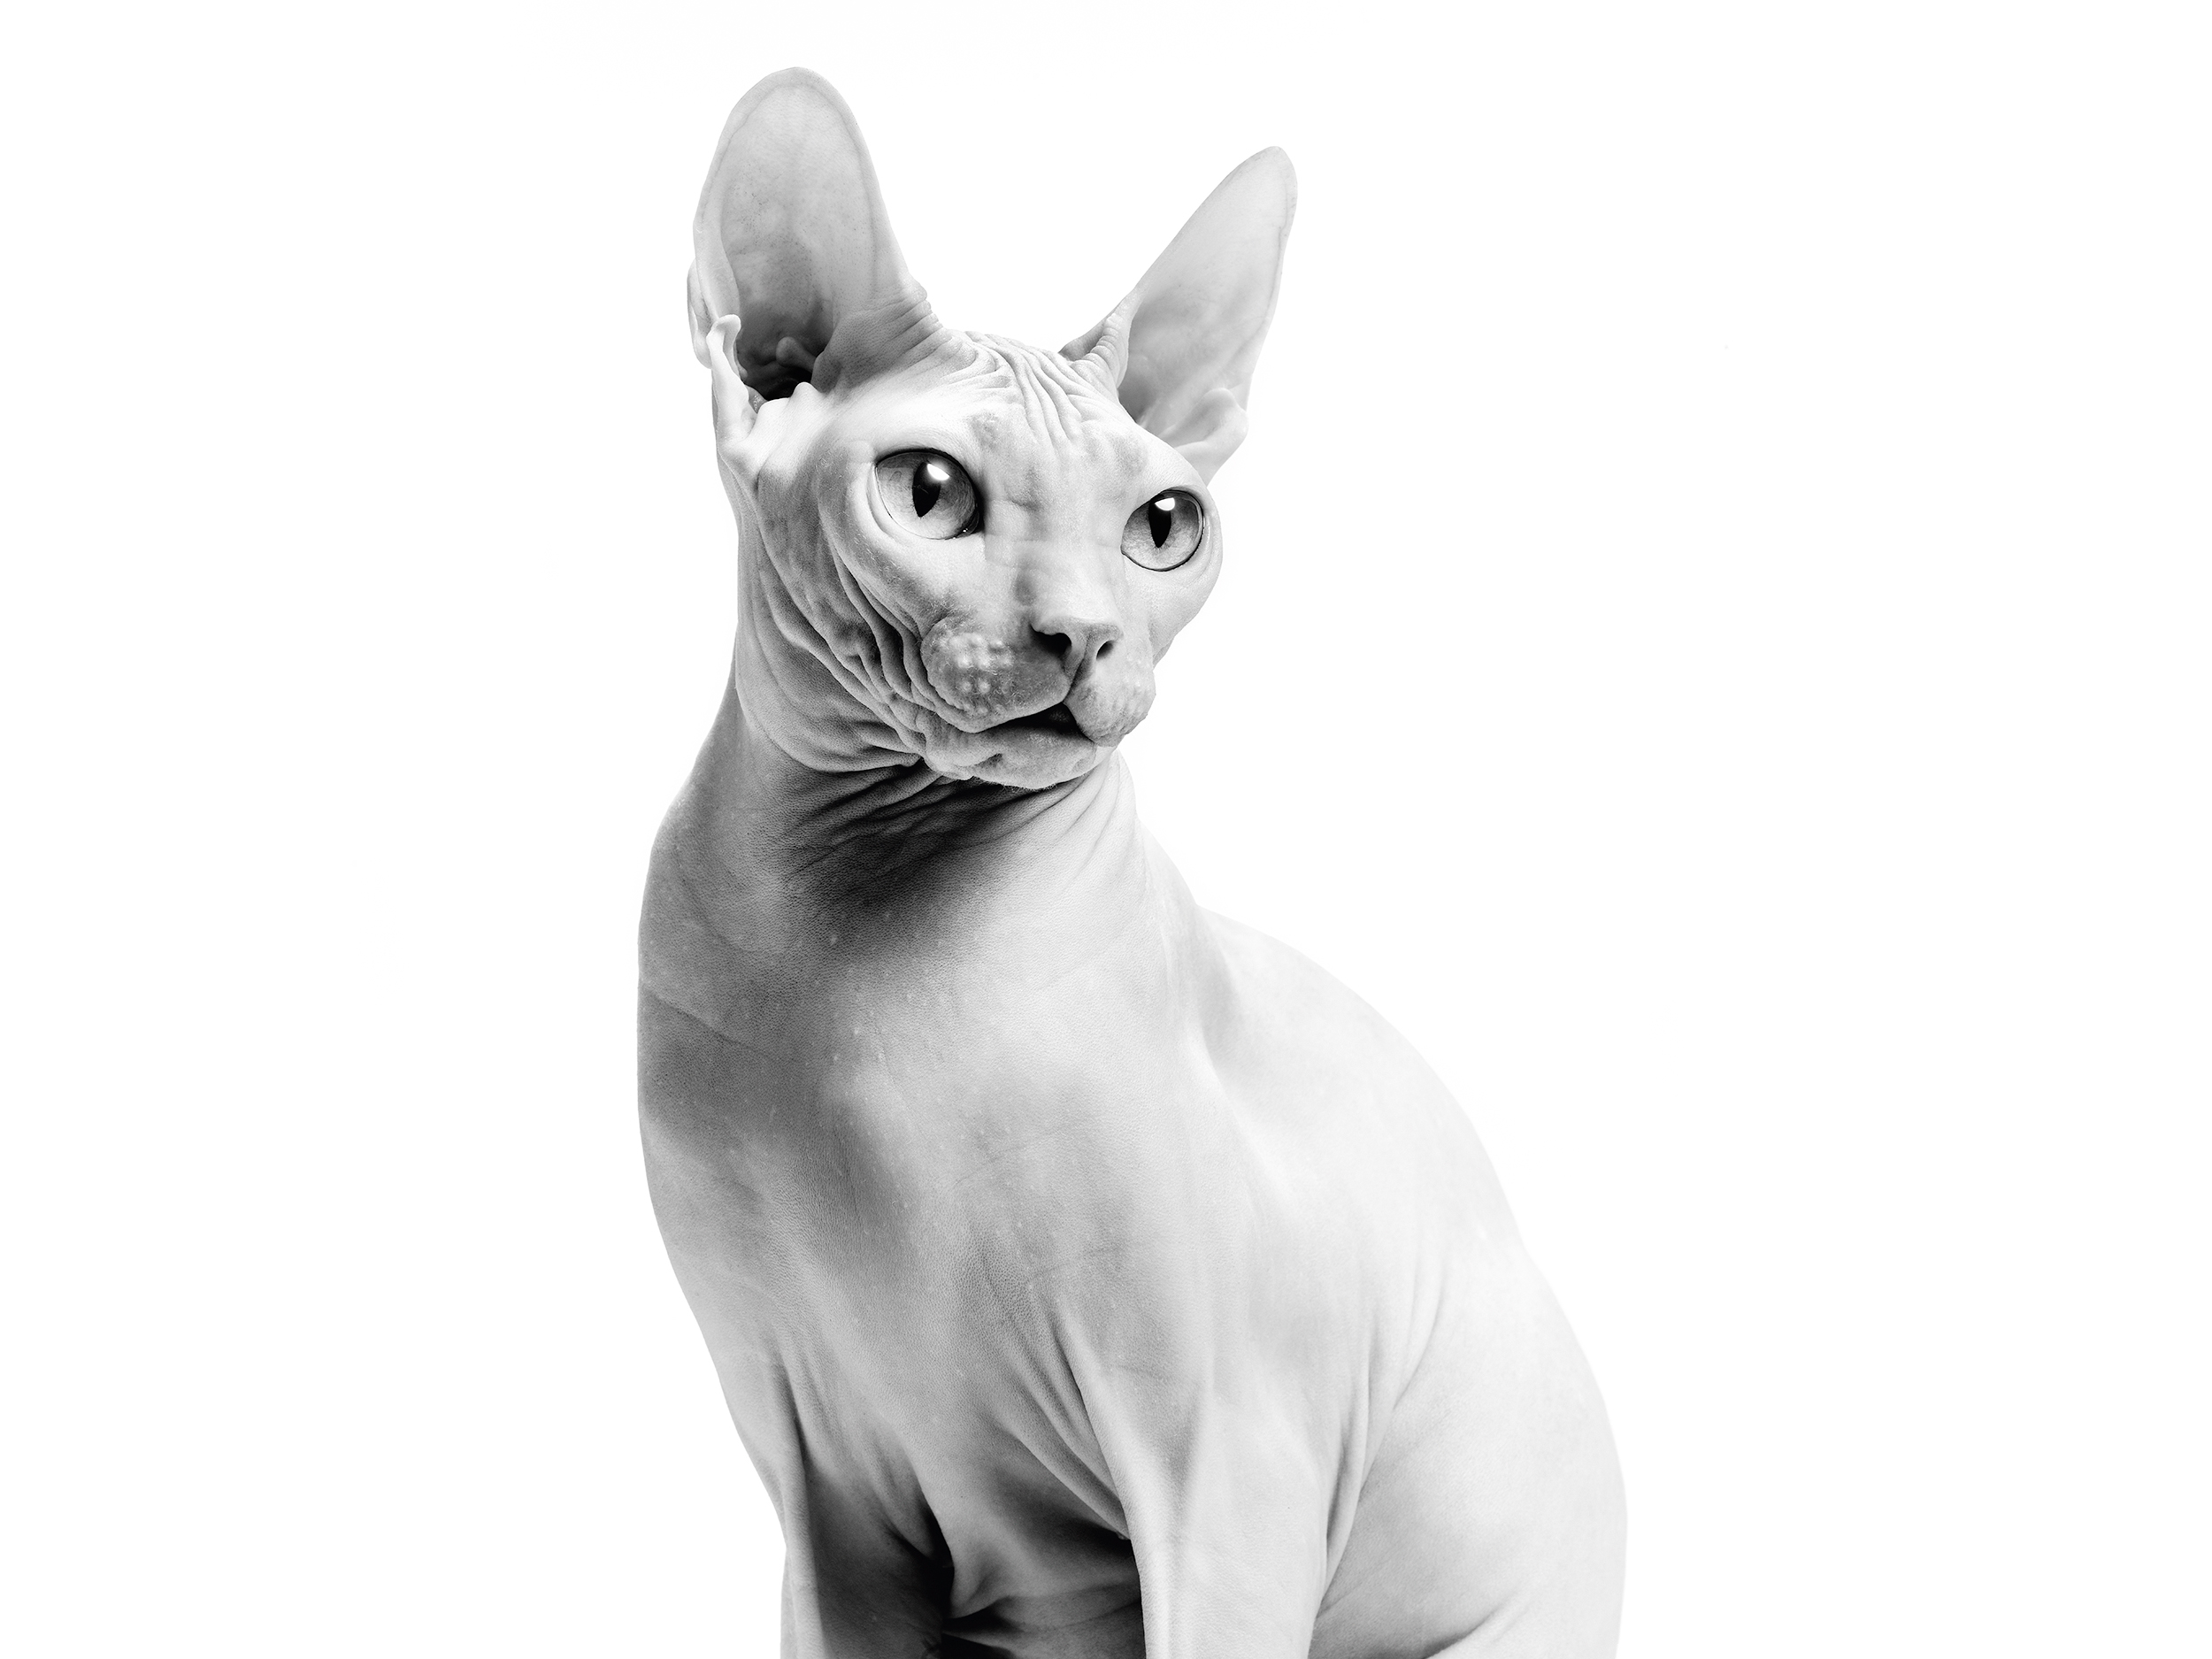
(1180, 350)
(792, 239)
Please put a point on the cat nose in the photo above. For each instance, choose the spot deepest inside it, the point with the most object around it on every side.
(1074, 639)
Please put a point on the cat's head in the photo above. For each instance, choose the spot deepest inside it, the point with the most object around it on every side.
(965, 549)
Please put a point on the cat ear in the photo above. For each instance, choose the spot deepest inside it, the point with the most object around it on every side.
(1180, 350)
(792, 239)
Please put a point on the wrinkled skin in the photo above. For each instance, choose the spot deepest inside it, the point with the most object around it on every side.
(934, 647)
(1087, 1275)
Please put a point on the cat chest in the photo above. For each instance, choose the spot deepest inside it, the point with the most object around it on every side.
(937, 1172)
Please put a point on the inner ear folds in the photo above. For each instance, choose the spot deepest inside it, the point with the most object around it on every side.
(791, 236)
(1181, 348)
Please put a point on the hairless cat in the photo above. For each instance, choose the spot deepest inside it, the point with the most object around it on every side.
(1087, 1274)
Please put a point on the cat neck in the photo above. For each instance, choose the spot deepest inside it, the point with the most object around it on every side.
(792, 845)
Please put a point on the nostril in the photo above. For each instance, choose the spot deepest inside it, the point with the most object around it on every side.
(1105, 650)
(1058, 644)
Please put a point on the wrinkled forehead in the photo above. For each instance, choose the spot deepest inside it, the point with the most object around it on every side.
(1034, 427)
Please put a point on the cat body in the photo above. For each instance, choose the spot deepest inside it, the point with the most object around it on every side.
(1086, 1275)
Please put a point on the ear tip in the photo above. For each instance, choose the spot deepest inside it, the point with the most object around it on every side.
(797, 78)
(798, 83)
(1270, 166)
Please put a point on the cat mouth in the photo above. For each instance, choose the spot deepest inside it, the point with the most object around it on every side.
(1057, 721)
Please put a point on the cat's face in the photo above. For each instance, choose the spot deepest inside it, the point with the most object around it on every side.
(974, 551)
(993, 551)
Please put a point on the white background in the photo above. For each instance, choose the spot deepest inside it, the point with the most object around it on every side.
(1715, 646)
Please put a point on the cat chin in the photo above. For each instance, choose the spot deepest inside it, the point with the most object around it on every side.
(1040, 771)
(1017, 754)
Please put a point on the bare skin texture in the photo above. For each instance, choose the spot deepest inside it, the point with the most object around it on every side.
(1087, 1275)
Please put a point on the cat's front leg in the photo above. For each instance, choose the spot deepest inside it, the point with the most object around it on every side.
(864, 1573)
(1228, 1505)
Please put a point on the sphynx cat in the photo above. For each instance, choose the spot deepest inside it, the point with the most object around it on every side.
(1087, 1274)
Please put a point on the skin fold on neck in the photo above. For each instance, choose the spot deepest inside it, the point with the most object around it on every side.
(783, 853)
(805, 806)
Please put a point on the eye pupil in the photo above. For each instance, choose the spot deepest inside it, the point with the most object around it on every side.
(930, 480)
(1159, 518)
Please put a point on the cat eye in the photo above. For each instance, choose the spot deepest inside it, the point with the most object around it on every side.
(929, 494)
(1165, 531)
